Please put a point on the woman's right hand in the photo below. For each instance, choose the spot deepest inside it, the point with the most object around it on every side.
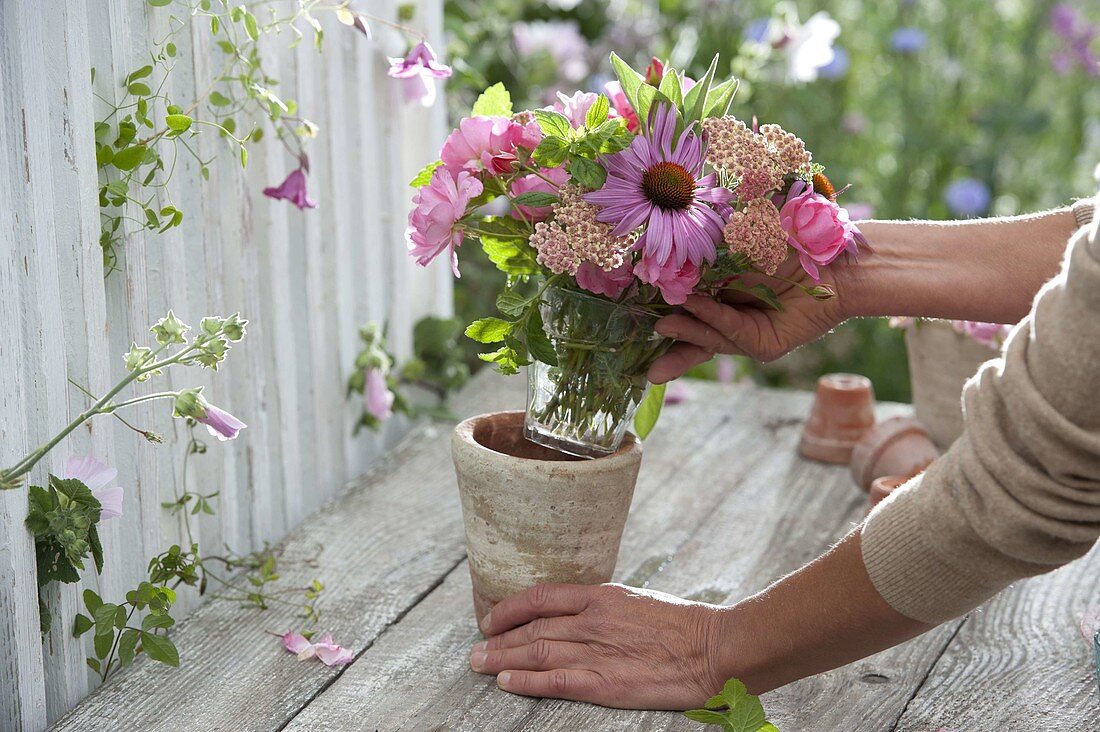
(741, 326)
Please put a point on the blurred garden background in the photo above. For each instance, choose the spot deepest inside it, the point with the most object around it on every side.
(928, 108)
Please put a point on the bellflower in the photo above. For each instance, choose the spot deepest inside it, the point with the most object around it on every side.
(418, 72)
(292, 189)
(437, 207)
(658, 182)
(377, 397)
(98, 477)
(817, 228)
(328, 652)
(220, 423)
(967, 197)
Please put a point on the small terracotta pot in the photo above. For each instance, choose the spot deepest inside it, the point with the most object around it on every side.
(535, 515)
(884, 486)
(843, 410)
(899, 446)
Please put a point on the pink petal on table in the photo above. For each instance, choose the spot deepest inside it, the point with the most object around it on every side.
(295, 642)
(1090, 623)
(334, 655)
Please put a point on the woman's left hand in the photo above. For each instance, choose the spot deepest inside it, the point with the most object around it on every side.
(611, 645)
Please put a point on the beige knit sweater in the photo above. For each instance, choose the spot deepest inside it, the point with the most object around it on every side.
(1019, 493)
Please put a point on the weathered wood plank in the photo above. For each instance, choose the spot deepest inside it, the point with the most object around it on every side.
(701, 525)
(378, 549)
(1019, 663)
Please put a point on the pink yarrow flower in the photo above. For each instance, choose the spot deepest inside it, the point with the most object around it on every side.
(377, 397)
(674, 283)
(98, 477)
(488, 143)
(418, 72)
(292, 189)
(817, 228)
(328, 652)
(658, 182)
(437, 207)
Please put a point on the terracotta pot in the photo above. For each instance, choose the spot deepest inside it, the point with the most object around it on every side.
(843, 410)
(535, 515)
(899, 446)
(940, 361)
(884, 486)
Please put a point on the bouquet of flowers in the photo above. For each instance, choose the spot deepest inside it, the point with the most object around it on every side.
(605, 212)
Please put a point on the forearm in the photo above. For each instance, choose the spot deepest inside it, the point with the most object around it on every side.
(985, 270)
(823, 616)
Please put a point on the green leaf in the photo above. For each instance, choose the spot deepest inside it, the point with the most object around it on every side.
(139, 74)
(92, 601)
(670, 87)
(489, 330)
(159, 648)
(178, 122)
(424, 177)
(706, 716)
(510, 256)
(92, 664)
(159, 3)
(536, 199)
(82, 624)
(734, 709)
(551, 151)
(151, 622)
(219, 100)
(493, 102)
(250, 26)
(629, 79)
(538, 345)
(102, 643)
(761, 292)
(649, 411)
(130, 157)
(244, 156)
(587, 173)
(553, 123)
(127, 646)
(139, 89)
(511, 303)
(720, 98)
(597, 113)
(696, 98)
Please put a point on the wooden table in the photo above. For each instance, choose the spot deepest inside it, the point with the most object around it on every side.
(723, 507)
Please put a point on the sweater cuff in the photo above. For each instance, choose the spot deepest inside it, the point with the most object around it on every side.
(1083, 211)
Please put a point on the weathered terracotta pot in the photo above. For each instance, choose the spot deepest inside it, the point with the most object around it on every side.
(843, 410)
(940, 361)
(899, 446)
(884, 486)
(535, 515)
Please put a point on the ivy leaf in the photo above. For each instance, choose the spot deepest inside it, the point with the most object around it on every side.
(489, 330)
(553, 123)
(424, 177)
(649, 411)
(130, 157)
(159, 648)
(493, 102)
(587, 173)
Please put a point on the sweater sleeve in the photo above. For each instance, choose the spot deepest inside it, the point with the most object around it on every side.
(1018, 494)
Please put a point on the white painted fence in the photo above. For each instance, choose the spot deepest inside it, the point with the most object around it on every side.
(305, 280)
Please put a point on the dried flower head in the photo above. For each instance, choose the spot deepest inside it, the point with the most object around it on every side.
(757, 233)
(575, 236)
(758, 160)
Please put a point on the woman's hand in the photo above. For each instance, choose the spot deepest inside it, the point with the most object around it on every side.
(611, 645)
(741, 326)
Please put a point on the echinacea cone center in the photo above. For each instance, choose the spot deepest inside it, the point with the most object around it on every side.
(668, 185)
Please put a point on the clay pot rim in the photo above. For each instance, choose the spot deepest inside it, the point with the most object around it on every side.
(876, 440)
(629, 452)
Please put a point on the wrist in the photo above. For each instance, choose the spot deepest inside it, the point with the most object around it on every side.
(737, 651)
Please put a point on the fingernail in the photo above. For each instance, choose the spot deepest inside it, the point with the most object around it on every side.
(504, 677)
(485, 621)
(477, 660)
(480, 646)
(667, 333)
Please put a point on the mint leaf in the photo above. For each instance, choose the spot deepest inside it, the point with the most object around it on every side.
(734, 709)
(587, 173)
(761, 292)
(425, 175)
(537, 199)
(551, 151)
(553, 123)
(597, 113)
(489, 330)
(493, 102)
(649, 411)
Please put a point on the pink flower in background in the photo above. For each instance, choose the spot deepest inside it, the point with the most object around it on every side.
(220, 423)
(98, 477)
(437, 207)
(418, 72)
(561, 40)
(377, 397)
(677, 392)
(987, 334)
(328, 652)
(658, 182)
(610, 284)
(818, 228)
(614, 92)
(859, 211)
(487, 143)
(292, 189)
(533, 183)
(1077, 36)
(675, 284)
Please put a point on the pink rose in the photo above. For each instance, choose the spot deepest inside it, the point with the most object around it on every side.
(436, 208)
(533, 183)
(818, 228)
(610, 284)
(987, 334)
(675, 284)
(487, 143)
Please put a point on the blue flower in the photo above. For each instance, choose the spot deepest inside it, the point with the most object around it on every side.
(967, 197)
(908, 40)
(757, 30)
(838, 67)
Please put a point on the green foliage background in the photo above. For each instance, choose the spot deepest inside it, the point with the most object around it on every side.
(979, 100)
